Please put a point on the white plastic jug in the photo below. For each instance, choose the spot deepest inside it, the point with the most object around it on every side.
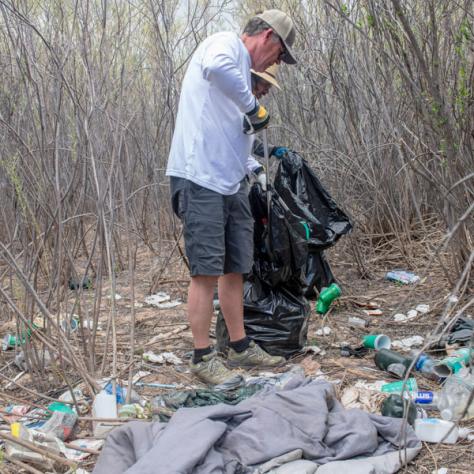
(433, 430)
(104, 406)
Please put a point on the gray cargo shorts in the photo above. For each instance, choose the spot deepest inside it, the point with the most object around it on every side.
(218, 229)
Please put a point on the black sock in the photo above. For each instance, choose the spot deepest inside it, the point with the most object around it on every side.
(240, 345)
(198, 353)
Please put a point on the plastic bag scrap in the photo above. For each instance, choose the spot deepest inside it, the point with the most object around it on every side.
(274, 318)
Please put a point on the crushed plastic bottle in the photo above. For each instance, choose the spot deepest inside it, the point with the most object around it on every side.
(402, 276)
(425, 364)
(455, 395)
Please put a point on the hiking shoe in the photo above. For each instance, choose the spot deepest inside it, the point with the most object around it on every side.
(212, 371)
(253, 356)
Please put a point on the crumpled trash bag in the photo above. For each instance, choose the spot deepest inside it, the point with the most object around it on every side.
(303, 193)
(317, 273)
(275, 318)
(280, 247)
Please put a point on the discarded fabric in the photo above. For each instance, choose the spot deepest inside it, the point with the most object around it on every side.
(305, 415)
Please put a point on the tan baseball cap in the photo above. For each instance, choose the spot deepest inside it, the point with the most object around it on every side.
(269, 75)
(283, 26)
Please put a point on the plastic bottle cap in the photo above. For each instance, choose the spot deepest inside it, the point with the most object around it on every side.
(446, 414)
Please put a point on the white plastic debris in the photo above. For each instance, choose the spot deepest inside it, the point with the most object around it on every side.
(157, 298)
(75, 455)
(373, 312)
(408, 342)
(169, 304)
(163, 358)
(441, 470)
(453, 299)
(139, 375)
(423, 308)
(116, 296)
(162, 300)
(313, 349)
(400, 317)
(360, 397)
(325, 331)
(373, 386)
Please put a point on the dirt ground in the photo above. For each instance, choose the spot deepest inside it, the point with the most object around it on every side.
(161, 330)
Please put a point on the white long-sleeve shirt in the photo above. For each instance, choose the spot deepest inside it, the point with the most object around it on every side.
(209, 146)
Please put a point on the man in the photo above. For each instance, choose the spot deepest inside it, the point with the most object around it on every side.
(207, 165)
(262, 82)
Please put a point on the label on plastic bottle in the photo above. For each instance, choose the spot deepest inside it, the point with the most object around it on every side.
(423, 397)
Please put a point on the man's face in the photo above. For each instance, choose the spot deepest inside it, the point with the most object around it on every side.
(261, 88)
(269, 51)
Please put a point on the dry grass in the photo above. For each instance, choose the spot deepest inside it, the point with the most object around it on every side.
(171, 323)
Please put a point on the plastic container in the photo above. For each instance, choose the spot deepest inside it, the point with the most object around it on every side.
(392, 362)
(376, 341)
(454, 363)
(326, 297)
(396, 407)
(397, 387)
(455, 395)
(121, 393)
(356, 322)
(432, 430)
(104, 406)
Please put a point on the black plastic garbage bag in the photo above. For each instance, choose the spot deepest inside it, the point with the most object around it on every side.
(280, 246)
(274, 318)
(317, 274)
(303, 193)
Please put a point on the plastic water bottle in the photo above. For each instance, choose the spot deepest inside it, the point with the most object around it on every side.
(429, 400)
(424, 363)
(455, 395)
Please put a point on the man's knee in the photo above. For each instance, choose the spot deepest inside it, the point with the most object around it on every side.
(204, 281)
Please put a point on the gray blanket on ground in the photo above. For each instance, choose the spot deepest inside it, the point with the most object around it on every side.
(305, 417)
